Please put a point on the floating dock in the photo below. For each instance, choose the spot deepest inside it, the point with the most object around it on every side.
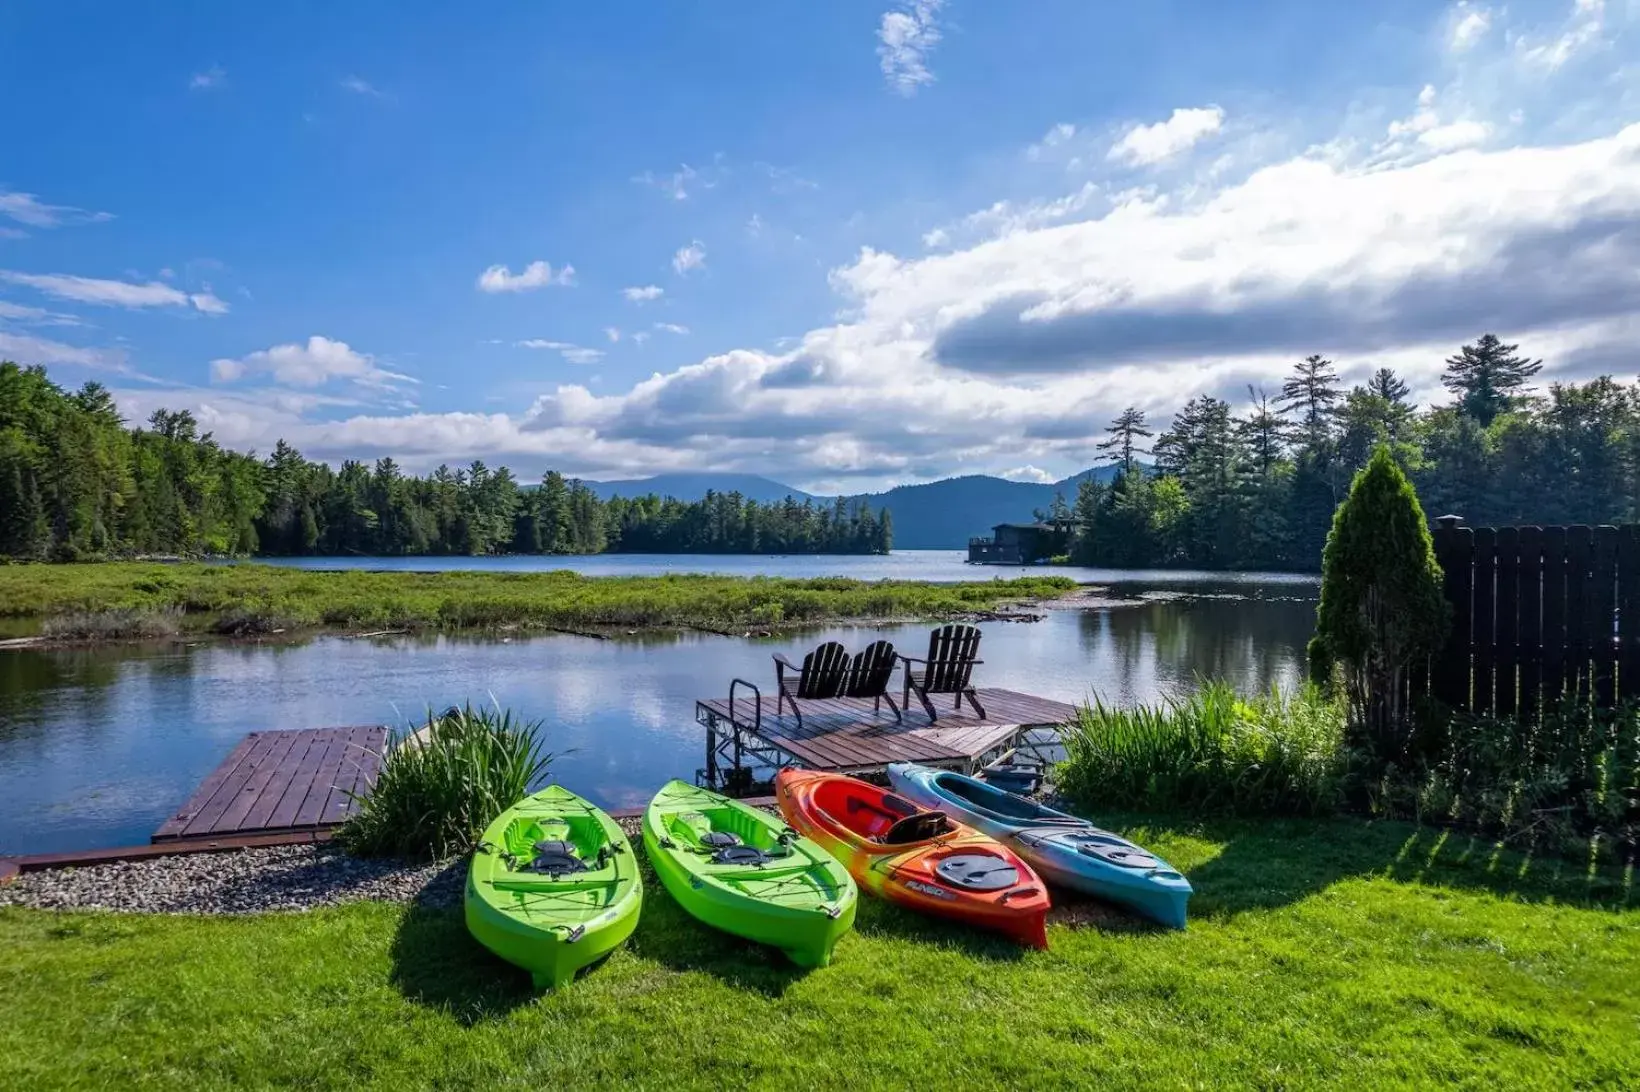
(282, 783)
(746, 741)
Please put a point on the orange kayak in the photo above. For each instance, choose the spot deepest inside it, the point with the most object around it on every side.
(920, 859)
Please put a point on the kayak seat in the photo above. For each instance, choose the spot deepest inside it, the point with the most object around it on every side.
(917, 827)
(720, 839)
(555, 858)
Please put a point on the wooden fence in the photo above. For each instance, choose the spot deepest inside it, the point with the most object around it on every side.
(1538, 613)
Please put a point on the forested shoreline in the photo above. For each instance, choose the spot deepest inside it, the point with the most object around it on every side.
(1258, 491)
(76, 484)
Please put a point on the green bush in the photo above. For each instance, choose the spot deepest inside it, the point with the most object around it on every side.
(1212, 752)
(440, 786)
(1382, 606)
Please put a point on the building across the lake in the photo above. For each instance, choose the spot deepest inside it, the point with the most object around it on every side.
(1022, 543)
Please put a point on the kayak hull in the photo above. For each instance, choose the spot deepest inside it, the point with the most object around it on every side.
(800, 900)
(1067, 851)
(552, 926)
(916, 874)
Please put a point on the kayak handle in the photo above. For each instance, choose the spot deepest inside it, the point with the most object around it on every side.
(1019, 892)
(574, 934)
(833, 912)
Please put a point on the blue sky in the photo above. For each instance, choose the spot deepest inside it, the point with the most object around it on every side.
(844, 244)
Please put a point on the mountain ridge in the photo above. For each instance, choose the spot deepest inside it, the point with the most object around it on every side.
(938, 515)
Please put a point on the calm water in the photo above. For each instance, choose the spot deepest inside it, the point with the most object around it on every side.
(97, 747)
(941, 565)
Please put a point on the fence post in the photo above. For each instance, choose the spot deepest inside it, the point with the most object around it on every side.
(1529, 639)
(1628, 611)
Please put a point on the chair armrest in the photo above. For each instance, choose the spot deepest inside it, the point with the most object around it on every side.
(911, 659)
(780, 658)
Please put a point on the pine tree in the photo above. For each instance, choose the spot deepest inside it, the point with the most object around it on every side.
(1488, 378)
(1311, 394)
(1125, 433)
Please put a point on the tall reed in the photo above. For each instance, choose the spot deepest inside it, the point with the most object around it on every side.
(1211, 752)
(440, 786)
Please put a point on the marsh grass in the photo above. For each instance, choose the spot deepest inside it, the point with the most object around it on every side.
(441, 785)
(250, 599)
(1211, 752)
(111, 625)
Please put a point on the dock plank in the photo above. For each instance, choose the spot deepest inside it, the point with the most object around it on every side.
(280, 782)
(844, 733)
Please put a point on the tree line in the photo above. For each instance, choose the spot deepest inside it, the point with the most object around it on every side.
(77, 484)
(1258, 489)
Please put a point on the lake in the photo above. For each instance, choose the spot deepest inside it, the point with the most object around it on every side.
(99, 746)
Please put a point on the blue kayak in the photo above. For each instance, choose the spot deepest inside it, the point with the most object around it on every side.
(1066, 850)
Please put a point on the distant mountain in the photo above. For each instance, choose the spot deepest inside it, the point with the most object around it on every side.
(940, 515)
(943, 515)
(692, 487)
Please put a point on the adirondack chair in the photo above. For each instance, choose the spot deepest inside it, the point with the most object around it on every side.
(952, 654)
(824, 674)
(870, 673)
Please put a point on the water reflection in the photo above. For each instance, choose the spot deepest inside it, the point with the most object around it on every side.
(97, 747)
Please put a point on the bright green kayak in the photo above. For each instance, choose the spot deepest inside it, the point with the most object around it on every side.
(743, 870)
(553, 886)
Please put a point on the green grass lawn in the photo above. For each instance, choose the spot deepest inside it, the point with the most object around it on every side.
(1321, 953)
(111, 598)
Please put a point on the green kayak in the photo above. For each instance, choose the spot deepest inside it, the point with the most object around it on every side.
(553, 886)
(743, 870)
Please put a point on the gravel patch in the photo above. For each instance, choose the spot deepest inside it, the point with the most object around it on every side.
(245, 881)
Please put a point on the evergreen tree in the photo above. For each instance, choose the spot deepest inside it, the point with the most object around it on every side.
(1311, 395)
(1125, 433)
(1488, 378)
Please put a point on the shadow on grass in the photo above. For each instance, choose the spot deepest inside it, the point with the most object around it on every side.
(437, 963)
(672, 937)
(1265, 864)
(877, 918)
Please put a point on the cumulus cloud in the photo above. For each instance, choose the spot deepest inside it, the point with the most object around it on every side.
(538, 274)
(110, 293)
(643, 293)
(210, 78)
(1581, 30)
(1029, 473)
(27, 349)
(689, 257)
(572, 353)
(906, 36)
(671, 328)
(1056, 137)
(26, 208)
(360, 86)
(315, 363)
(613, 333)
(1147, 145)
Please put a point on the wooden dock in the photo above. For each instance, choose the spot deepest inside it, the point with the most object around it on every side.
(846, 736)
(286, 782)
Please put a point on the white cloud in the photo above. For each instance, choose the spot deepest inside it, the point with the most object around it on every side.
(26, 208)
(364, 87)
(679, 184)
(115, 293)
(1059, 135)
(643, 293)
(317, 362)
(206, 80)
(689, 257)
(1581, 30)
(613, 333)
(906, 36)
(35, 316)
(1146, 145)
(640, 336)
(1470, 22)
(26, 349)
(671, 328)
(574, 354)
(936, 238)
(1029, 473)
(538, 274)
(1458, 134)
(754, 225)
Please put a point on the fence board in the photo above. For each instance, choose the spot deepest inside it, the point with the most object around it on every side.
(1599, 618)
(1505, 621)
(1554, 613)
(1628, 612)
(1529, 623)
(1481, 633)
(1579, 555)
(1454, 548)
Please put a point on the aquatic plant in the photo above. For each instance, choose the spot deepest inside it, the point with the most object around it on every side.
(442, 784)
